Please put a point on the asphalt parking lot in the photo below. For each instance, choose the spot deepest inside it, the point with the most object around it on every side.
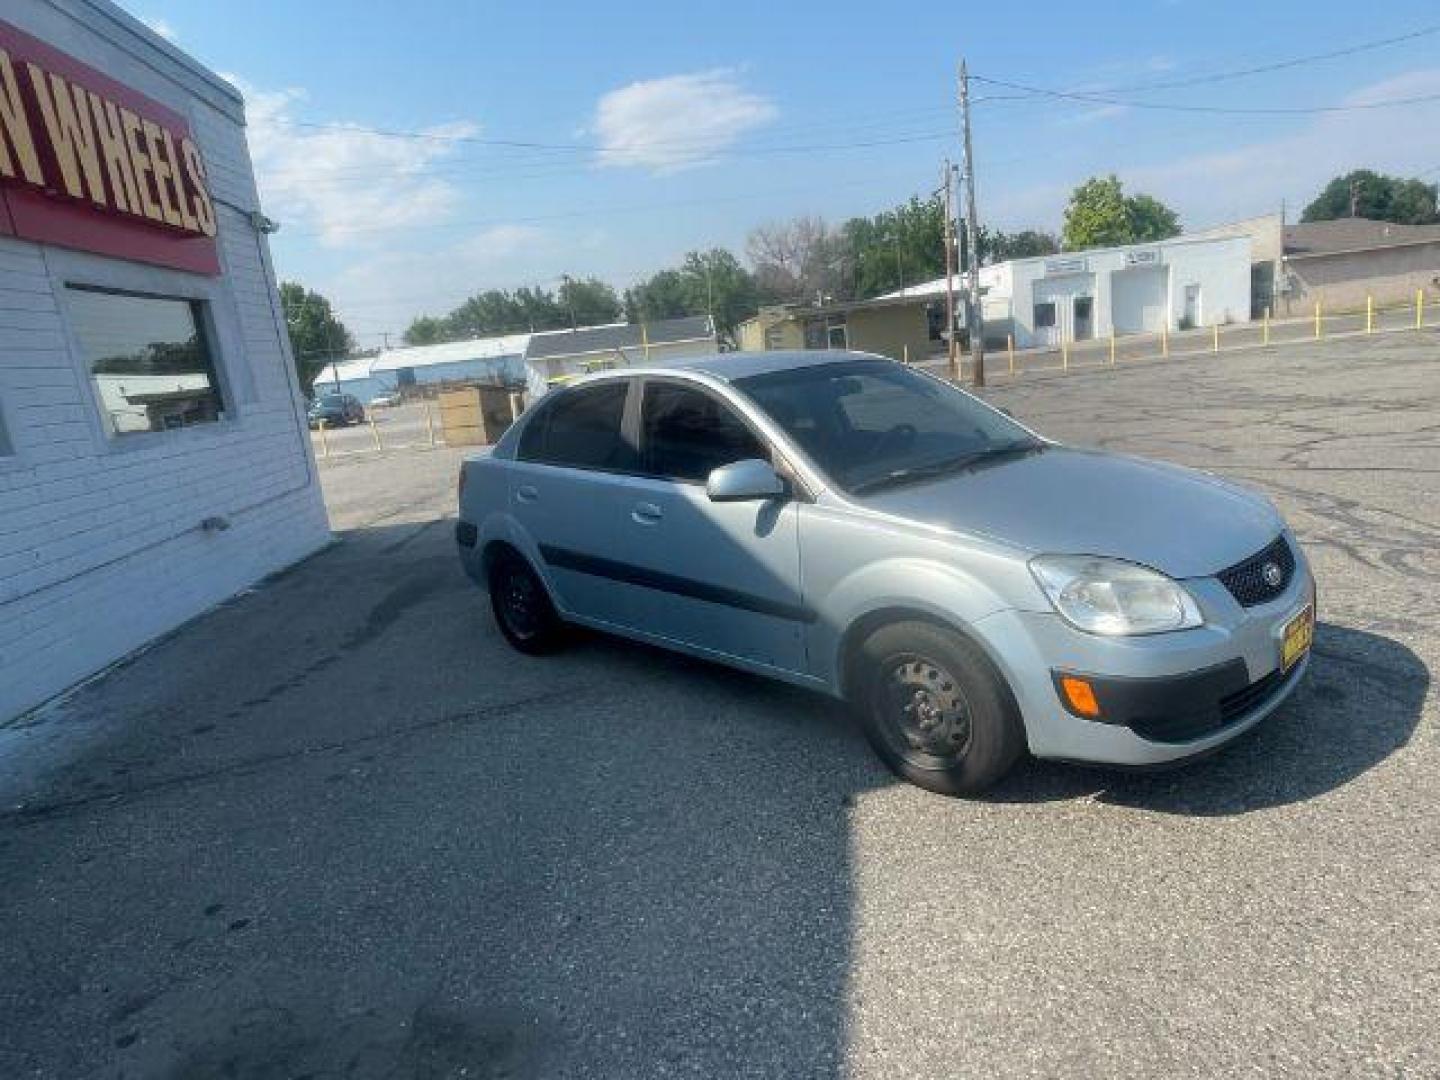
(337, 828)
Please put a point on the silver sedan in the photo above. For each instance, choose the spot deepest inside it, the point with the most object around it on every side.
(843, 522)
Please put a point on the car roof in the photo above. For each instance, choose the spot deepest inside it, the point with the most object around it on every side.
(738, 365)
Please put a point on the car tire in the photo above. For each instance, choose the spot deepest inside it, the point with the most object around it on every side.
(936, 709)
(522, 607)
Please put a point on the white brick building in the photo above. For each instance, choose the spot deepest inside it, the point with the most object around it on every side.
(154, 457)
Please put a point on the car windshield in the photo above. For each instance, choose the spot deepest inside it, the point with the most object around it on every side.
(331, 401)
(872, 424)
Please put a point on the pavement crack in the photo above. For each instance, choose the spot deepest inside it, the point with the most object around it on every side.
(29, 815)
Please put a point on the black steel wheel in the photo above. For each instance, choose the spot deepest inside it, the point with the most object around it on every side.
(522, 607)
(935, 708)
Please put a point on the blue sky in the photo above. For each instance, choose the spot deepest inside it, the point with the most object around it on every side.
(670, 126)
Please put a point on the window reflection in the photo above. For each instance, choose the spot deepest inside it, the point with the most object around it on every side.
(149, 358)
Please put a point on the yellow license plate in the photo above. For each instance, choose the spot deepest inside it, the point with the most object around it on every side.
(1295, 639)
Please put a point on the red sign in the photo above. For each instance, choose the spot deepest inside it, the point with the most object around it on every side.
(88, 163)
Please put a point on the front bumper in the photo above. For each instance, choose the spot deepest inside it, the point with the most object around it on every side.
(1165, 697)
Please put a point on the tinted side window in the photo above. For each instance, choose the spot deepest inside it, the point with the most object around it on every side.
(581, 429)
(687, 433)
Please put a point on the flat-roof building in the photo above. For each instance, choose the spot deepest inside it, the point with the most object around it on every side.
(154, 458)
(1140, 288)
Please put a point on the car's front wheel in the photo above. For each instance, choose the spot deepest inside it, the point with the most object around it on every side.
(522, 607)
(935, 708)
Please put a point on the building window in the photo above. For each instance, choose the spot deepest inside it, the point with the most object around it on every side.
(7, 448)
(149, 358)
(774, 337)
(1045, 315)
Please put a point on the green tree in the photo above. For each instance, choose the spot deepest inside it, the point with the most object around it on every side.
(1150, 219)
(579, 302)
(425, 330)
(664, 295)
(1367, 194)
(1000, 246)
(706, 283)
(587, 302)
(317, 337)
(721, 287)
(894, 248)
(1101, 215)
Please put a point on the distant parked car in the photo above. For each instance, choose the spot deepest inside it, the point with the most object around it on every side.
(336, 410)
(387, 400)
(843, 522)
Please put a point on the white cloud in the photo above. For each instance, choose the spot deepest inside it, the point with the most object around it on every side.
(161, 27)
(1254, 174)
(385, 290)
(677, 122)
(347, 185)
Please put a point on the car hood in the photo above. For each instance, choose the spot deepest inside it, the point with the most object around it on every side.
(1084, 502)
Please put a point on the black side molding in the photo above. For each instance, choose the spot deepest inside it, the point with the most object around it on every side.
(581, 563)
(466, 534)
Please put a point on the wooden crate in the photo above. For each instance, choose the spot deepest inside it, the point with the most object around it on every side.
(475, 415)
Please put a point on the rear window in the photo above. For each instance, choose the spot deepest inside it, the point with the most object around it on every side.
(580, 428)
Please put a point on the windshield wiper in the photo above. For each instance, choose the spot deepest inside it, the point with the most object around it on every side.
(930, 470)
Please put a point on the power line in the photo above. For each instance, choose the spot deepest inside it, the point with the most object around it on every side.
(1279, 65)
(1101, 99)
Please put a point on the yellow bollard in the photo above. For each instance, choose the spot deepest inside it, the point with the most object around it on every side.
(1216, 346)
(1112, 348)
(1317, 320)
(1369, 314)
(430, 423)
(1265, 328)
(1419, 309)
(1165, 342)
(375, 431)
(324, 442)
(1010, 350)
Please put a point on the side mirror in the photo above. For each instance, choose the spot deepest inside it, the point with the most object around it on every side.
(743, 481)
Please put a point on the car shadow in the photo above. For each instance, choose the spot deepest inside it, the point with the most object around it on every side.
(1359, 703)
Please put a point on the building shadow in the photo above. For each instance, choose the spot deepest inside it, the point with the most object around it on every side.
(1359, 703)
(339, 828)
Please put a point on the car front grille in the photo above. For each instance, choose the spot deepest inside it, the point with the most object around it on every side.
(1243, 702)
(1215, 716)
(1246, 580)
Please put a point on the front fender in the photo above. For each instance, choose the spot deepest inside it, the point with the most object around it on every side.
(922, 586)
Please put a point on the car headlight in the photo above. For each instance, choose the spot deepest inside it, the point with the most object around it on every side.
(1108, 596)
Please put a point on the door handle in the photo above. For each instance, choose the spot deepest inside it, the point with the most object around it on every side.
(646, 513)
(526, 493)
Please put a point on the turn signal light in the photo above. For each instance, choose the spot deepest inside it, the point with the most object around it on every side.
(1080, 696)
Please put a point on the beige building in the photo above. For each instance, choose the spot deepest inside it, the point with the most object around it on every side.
(1338, 264)
(897, 327)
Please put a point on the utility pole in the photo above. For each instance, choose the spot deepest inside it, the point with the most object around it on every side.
(974, 322)
(947, 183)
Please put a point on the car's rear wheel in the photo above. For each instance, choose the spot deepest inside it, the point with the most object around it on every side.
(935, 708)
(522, 607)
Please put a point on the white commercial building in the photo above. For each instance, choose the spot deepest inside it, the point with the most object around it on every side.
(492, 359)
(1141, 288)
(154, 457)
